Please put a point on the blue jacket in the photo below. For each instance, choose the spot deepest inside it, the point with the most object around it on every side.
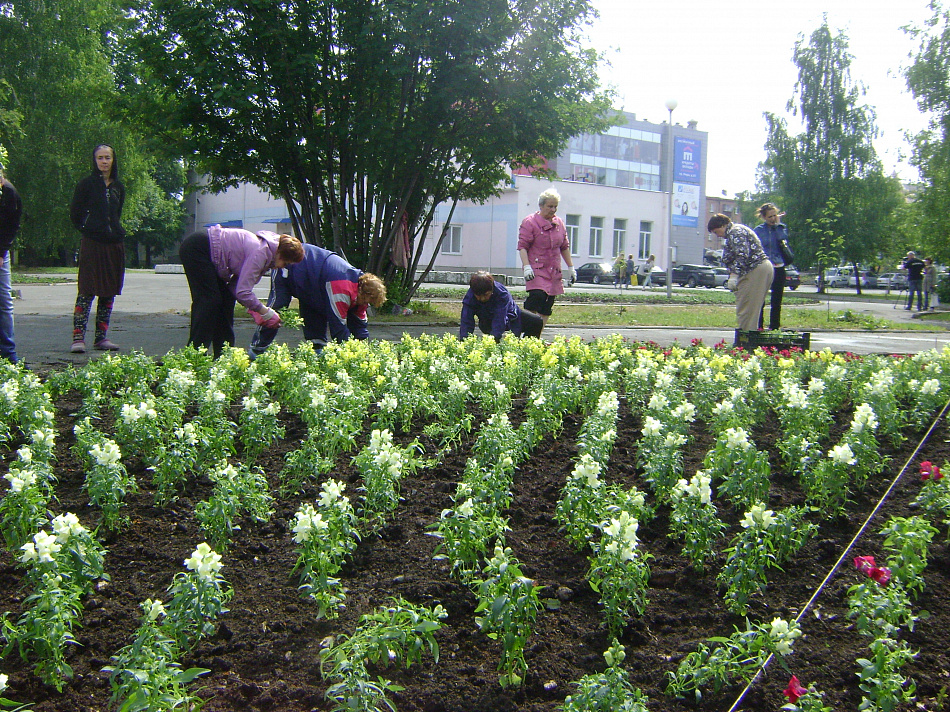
(326, 282)
(500, 310)
(771, 238)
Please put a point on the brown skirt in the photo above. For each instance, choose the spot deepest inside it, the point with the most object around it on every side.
(101, 267)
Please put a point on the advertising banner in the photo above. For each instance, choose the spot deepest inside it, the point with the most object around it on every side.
(686, 204)
(686, 159)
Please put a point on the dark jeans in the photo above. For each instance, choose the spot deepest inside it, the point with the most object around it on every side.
(531, 324)
(212, 303)
(915, 285)
(775, 305)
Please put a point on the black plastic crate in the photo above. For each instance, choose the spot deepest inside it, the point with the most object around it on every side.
(773, 339)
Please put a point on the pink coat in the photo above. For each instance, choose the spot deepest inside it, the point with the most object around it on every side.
(544, 242)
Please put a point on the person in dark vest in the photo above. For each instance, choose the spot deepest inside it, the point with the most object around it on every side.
(492, 305)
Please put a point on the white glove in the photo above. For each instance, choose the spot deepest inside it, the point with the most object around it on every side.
(572, 275)
(528, 273)
(732, 284)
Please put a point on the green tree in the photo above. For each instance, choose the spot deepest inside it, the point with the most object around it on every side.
(61, 83)
(161, 217)
(364, 115)
(929, 80)
(832, 158)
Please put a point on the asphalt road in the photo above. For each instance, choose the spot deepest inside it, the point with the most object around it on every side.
(152, 316)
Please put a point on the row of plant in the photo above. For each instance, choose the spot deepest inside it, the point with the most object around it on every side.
(447, 377)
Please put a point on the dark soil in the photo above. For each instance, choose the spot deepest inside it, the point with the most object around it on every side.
(265, 655)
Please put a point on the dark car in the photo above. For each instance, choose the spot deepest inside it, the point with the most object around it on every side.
(657, 277)
(793, 279)
(694, 276)
(595, 272)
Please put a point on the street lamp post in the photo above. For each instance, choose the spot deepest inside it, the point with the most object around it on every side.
(670, 105)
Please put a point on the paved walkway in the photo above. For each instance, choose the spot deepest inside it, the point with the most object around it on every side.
(151, 315)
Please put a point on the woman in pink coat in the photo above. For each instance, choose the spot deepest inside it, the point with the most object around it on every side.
(542, 242)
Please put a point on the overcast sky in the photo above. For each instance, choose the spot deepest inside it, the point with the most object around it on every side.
(726, 63)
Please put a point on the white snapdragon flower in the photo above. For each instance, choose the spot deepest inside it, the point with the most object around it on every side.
(680, 489)
(658, 401)
(588, 469)
(930, 387)
(66, 526)
(272, 409)
(466, 509)
(796, 398)
(308, 521)
(674, 440)
(664, 379)
(250, 403)
(43, 548)
(317, 399)
(387, 403)
(457, 386)
(842, 455)
(864, 419)
(609, 435)
(737, 439)
(651, 426)
(817, 386)
(21, 480)
(623, 533)
(685, 411)
(153, 609)
(25, 455)
(187, 434)
(10, 390)
(44, 437)
(179, 381)
(3, 682)
(607, 404)
(700, 486)
(501, 390)
(204, 561)
(107, 454)
(538, 399)
(783, 635)
(724, 408)
(758, 517)
(330, 492)
(574, 373)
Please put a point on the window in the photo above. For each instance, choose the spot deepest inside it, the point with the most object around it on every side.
(596, 236)
(452, 244)
(620, 237)
(646, 233)
(573, 225)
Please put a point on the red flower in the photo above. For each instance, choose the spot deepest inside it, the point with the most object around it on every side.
(929, 470)
(880, 574)
(794, 690)
(864, 564)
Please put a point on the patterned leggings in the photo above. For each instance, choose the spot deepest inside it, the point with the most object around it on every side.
(81, 316)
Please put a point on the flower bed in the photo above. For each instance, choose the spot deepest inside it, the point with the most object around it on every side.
(675, 413)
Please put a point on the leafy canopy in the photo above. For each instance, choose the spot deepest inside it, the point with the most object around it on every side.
(363, 115)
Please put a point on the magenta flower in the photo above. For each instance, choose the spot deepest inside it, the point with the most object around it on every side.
(880, 574)
(864, 564)
(794, 690)
(929, 470)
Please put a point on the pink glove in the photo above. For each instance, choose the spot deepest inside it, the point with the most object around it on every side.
(269, 319)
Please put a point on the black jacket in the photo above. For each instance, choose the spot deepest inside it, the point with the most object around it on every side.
(11, 209)
(96, 210)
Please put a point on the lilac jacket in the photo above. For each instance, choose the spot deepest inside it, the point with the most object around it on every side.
(241, 259)
(544, 242)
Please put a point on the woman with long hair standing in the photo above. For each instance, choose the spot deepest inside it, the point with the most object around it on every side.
(96, 211)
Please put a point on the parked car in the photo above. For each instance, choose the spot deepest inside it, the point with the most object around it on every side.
(722, 276)
(694, 276)
(657, 277)
(838, 277)
(595, 272)
(793, 279)
(868, 280)
(892, 280)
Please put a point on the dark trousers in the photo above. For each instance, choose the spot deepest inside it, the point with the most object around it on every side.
(775, 304)
(915, 285)
(527, 324)
(212, 303)
(314, 328)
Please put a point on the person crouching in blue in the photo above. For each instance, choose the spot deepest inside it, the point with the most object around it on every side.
(331, 293)
(491, 303)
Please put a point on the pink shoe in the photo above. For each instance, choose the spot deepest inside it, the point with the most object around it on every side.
(106, 345)
(78, 347)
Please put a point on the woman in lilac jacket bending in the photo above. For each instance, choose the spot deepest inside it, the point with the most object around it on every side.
(222, 266)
